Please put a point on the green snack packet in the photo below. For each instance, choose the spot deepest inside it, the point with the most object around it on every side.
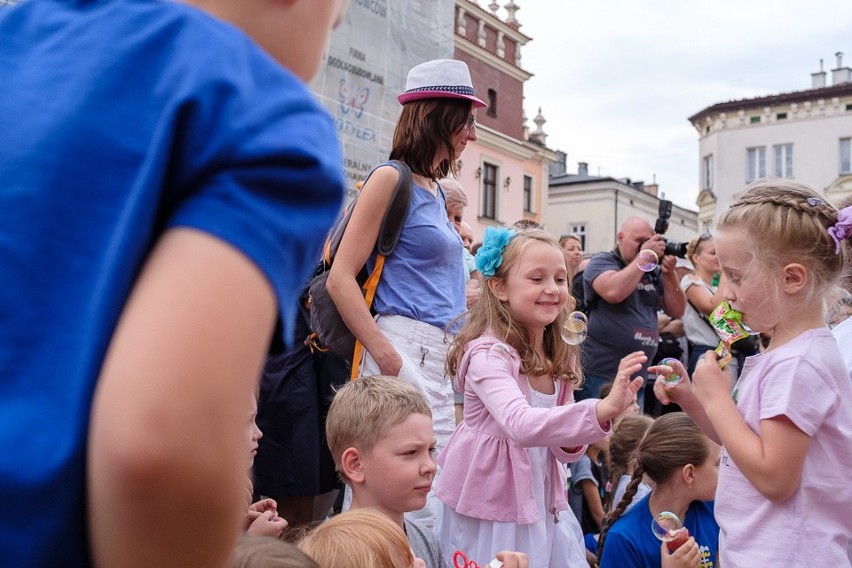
(728, 324)
(723, 355)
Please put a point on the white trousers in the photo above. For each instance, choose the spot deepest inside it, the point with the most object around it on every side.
(423, 349)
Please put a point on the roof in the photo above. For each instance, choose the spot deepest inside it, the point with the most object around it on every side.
(840, 90)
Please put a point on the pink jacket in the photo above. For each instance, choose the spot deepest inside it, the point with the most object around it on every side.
(486, 468)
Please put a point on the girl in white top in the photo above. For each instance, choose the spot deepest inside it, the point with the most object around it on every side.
(701, 297)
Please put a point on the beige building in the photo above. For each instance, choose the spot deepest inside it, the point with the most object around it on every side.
(803, 135)
(594, 207)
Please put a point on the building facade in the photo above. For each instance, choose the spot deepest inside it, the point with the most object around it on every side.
(594, 207)
(804, 135)
(504, 172)
(365, 67)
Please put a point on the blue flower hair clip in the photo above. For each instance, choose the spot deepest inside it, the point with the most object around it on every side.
(489, 257)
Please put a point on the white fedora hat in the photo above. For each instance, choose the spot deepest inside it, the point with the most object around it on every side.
(439, 79)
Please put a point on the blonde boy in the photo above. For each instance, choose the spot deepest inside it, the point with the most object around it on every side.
(379, 431)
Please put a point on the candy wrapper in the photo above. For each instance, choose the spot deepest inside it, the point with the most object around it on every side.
(729, 326)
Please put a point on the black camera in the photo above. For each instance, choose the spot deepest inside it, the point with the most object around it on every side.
(662, 225)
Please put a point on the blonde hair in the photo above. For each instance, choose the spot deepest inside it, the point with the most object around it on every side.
(563, 240)
(490, 315)
(454, 193)
(363, 538)
(254, 551)
(365, 410)
(788, 222)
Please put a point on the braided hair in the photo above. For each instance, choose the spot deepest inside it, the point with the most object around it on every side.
(626, 435)
(789, 221)
(672, 442)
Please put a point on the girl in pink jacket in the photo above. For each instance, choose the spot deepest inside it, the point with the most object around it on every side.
(503, 479)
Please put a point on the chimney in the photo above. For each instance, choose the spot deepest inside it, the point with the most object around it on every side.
(818, 78)
(558, 167)
(840, 74)
(582, 168)
(651, 189)
(640, 185)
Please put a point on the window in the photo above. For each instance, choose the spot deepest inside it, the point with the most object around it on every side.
(845, 163)
(781, 116)
(528, 194)
(756, 163)
(754, 120)
(580, 231)
(489, 190)
(784, 160)
(492, 102)
(708, 172)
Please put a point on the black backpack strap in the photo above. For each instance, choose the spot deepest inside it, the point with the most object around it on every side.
(397, 211)
(392, 221)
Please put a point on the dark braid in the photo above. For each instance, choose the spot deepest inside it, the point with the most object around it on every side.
(616, 513)
(672, 441)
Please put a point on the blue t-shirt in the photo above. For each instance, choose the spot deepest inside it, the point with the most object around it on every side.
(616, 330)
(424, 277)
(630, 541)
(119, 120)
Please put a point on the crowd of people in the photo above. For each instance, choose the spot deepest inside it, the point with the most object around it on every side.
(163, 213)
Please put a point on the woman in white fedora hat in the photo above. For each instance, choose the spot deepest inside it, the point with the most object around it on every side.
(422, 287)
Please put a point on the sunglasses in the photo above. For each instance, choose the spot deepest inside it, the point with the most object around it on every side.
(471, 123)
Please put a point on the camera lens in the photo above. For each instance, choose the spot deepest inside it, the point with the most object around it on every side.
(676, 249)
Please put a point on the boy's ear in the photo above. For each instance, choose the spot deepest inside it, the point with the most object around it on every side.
(795, 277)
(351, 466)
(498, 288)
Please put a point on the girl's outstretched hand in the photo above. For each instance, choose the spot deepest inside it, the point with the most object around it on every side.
(624, 389)
(686, 556)
(709, 381)
(666, 393)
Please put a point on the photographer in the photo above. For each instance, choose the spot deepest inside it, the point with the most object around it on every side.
(623, 301)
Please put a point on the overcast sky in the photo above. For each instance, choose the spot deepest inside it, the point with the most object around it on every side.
(617, 79)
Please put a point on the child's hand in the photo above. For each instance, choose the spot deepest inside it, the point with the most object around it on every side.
(264, 505)
(512, 559)
(624, 390)
(709, 381)
(667, 394)
(266, 523)
(686, 556)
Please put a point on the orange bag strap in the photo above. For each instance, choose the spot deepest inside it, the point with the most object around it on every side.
(369, 288)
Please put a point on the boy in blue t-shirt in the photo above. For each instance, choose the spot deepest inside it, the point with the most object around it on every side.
(165, 184)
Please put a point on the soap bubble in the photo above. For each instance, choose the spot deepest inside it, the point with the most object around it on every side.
(647, 260)
(671, 379)
(665, 526)
(501, 352)
(575, 328)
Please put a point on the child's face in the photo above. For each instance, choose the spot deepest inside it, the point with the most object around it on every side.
(536, 287)
(707, 475)
(747, 289)
(253, 432)
(398, 471)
